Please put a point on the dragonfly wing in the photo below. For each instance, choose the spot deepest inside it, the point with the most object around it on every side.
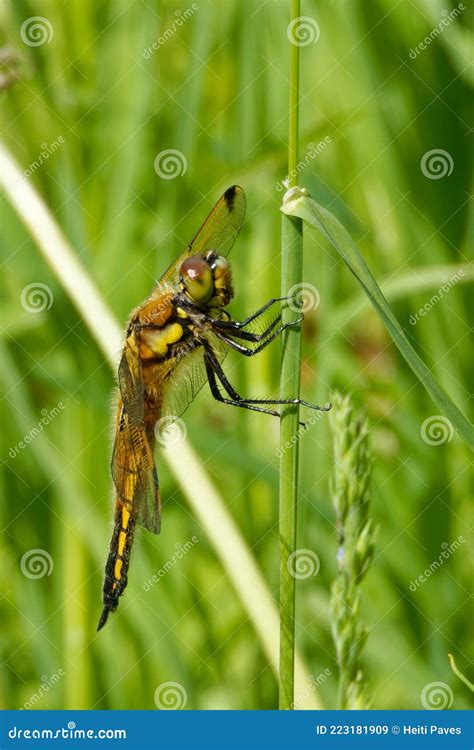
(134, 472)
(218, 232)
(187, 378)
(131, 381)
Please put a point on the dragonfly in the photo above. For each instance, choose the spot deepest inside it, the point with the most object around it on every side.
(176, 342)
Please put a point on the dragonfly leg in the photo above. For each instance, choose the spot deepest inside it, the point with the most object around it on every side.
(246, 351)
(238, 333)
(237, 324)
(215, 371)
(285, 402)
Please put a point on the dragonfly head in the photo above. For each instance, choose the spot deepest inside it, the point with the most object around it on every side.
(207, 279)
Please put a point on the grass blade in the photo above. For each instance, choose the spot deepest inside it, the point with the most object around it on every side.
(291, 275)
(290, 388)
(308, 210)
(417, 280)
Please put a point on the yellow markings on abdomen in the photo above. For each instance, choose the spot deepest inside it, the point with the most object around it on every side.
(121, 543)
(118, 569)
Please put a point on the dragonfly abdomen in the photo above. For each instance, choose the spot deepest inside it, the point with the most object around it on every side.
(118, 561)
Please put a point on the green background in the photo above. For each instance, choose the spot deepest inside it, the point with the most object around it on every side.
(217, 91)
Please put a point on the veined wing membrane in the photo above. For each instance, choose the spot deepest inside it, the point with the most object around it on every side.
(130, 380)
(134, 473)
(133, 466)
(218, 232)
(187, 378)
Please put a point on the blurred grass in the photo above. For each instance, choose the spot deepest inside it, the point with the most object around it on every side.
(218, 92)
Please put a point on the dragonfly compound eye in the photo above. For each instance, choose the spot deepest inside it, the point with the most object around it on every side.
(196, 277)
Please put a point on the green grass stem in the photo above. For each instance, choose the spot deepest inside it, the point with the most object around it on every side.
(291, 275)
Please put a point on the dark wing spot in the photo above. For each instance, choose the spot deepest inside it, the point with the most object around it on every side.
(229, 196)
